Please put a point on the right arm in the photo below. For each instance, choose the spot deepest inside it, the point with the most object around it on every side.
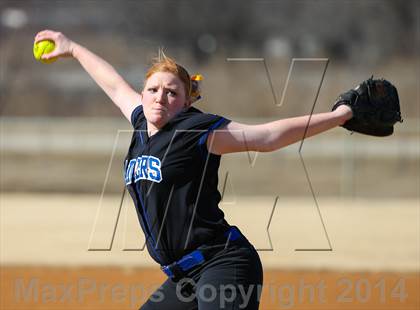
(120, 92)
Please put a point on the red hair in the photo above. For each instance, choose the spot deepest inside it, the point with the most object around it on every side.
(166, 64)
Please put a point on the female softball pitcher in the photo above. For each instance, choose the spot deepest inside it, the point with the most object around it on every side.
(171, 173)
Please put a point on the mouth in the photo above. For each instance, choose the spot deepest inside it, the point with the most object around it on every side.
(159, 107)
(159, 110)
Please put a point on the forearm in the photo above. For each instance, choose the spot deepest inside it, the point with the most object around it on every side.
(284, 132)
(101, 71)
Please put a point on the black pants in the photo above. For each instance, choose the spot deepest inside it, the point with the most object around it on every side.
(231, 279)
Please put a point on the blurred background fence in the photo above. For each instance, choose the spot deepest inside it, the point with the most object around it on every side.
(74, 154)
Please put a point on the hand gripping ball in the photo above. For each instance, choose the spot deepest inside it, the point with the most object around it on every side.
(44, 47)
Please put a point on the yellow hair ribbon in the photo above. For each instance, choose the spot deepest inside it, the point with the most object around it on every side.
(195, 87)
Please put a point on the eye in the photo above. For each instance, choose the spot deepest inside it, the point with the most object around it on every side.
(172, 93)
(152, 89)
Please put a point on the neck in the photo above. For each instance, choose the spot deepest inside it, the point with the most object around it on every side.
(151, 129)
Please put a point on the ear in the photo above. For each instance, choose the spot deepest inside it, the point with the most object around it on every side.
(187, 104)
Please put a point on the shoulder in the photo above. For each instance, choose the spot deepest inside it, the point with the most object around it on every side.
(193, 118)
(194, 127)
(137, 116)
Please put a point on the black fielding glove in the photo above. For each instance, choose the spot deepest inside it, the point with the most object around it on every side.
(375, 106)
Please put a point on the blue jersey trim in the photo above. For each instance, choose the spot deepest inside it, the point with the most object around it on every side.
(154, 243)
(202, 142)
(141, 137)
(203, 138)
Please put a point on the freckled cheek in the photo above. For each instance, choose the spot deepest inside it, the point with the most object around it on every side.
(147, 103)
(176, 105)
(147, 99)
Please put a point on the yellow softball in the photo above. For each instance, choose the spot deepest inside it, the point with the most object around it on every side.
(44, 47)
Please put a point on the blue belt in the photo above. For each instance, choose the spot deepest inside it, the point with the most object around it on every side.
(195, 258)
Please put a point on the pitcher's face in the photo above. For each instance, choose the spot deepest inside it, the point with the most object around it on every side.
(163, 97)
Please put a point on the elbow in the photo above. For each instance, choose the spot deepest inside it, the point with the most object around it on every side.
(264, 141)
(272, 145)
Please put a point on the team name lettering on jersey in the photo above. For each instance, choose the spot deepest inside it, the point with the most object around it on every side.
(144, 167)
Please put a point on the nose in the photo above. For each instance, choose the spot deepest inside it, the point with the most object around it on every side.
(160, 96)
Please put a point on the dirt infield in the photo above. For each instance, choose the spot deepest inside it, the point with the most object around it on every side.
(366, 235)
(117, 288)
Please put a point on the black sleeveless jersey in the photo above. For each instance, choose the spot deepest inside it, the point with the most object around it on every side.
(173, 179)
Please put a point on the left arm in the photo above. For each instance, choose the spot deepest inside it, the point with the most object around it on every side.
(236, 137)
